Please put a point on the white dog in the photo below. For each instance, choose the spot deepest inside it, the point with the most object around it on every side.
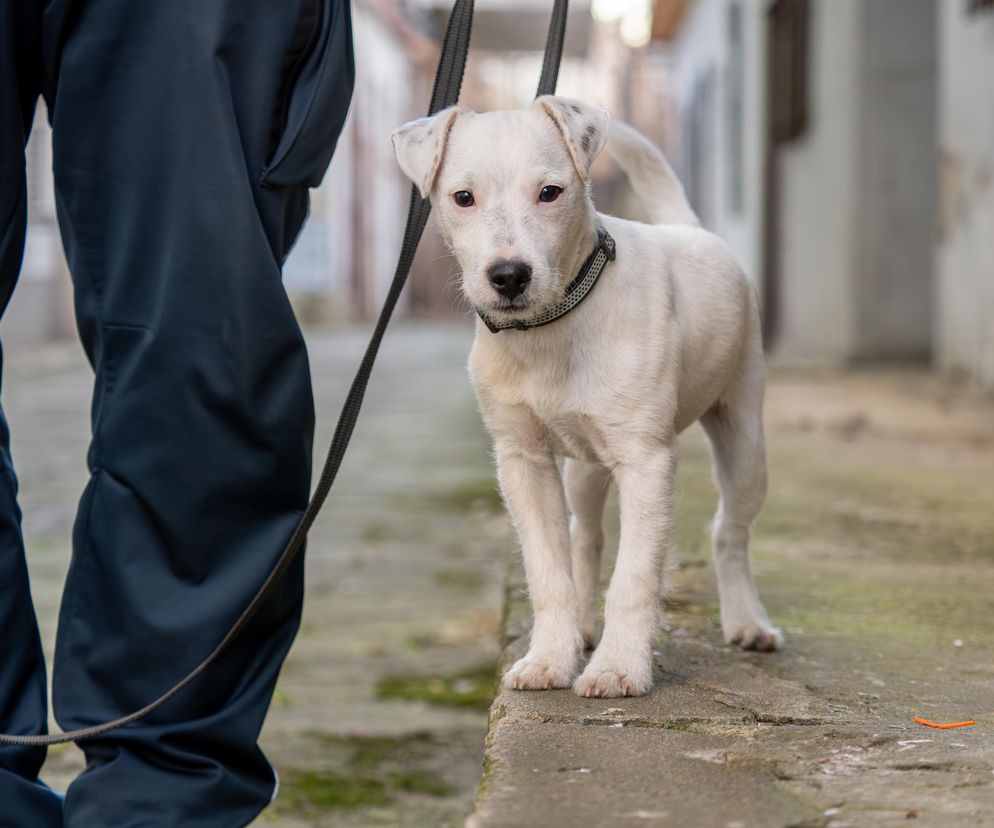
(604, 372)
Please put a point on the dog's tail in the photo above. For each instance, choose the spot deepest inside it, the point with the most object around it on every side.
(651, 176)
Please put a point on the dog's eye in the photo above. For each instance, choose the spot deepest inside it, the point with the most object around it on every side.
(550, 193)
(463, 198)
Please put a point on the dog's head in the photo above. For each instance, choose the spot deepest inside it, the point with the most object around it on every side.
(511, 195)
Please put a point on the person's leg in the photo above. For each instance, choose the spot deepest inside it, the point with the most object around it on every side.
(23, 696)
(166, 113)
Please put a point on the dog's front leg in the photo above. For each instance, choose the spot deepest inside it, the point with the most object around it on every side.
(533, 492)
(622, 663)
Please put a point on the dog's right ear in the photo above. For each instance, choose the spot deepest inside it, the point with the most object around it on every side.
(420, 146)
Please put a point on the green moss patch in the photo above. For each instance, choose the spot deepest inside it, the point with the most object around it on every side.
(308, 791)
(362, 772)
(472, 688)
(416, 781)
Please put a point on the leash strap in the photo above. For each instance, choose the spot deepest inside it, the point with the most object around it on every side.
(553, 49)
(448, 81)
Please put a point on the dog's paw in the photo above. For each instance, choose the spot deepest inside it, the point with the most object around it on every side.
(608, 680)
(756, 635)
(538, 673)
(745, 624)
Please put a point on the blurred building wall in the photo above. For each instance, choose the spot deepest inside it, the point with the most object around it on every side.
(833, 168)
(858, 187)
(716, 85)
(897, 177)
(818, 213)
(965, 255)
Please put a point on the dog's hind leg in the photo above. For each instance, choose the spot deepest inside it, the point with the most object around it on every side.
(586, 491)
(735, 429)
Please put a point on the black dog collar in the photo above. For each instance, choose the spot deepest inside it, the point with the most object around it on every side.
(576, 291)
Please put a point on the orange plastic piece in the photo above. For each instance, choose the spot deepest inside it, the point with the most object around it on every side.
(927, 723)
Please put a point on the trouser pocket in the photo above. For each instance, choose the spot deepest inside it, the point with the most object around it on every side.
(319, 75)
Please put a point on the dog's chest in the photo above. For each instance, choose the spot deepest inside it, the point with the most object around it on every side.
(565, 404)
(578, 436)
(570, 398)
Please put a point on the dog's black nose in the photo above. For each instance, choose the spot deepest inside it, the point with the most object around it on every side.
(509, 277)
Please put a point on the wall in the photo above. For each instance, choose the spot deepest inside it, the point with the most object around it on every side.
(965, 250)
(818, 180)
(897, 179)
(857, 189)
(701, 58)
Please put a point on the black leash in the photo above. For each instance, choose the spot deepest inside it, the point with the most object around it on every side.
(553, 49)
(448, 81)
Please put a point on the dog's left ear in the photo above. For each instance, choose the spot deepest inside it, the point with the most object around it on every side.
(420, 146)
(584, 128)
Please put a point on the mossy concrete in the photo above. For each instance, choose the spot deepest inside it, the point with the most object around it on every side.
(876, 555)
(472, 688)
(356, 775)
(394, 660)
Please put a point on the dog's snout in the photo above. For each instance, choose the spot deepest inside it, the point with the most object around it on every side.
(509, 277)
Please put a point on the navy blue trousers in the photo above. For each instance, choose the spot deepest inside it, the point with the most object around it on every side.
(186, 134)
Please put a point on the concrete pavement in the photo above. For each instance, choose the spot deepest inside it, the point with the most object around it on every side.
(876, 555)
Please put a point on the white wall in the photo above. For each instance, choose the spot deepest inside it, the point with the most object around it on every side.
(818, 181)
(857, 191)
(897, 179)
(859, 187)
(965, 252)
(701, 50)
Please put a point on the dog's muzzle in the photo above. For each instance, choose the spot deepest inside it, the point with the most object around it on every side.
(509, 277)
(576, 291)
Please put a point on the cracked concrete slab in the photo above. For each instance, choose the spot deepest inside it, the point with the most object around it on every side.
(588, 777)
